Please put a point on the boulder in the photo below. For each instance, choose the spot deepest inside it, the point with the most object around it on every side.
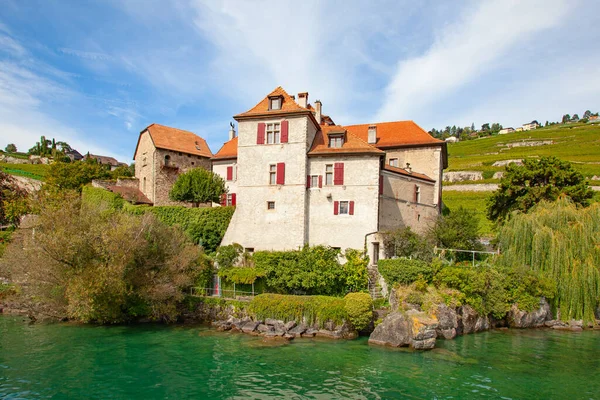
(535, 319)
(273, 322)
(264, 328)
(470, 322)
(289, 336)
(298, 330)
(310, 332)
(289, 325)
(447, 321)
(326, 333)
(412, 328)
(250, 327)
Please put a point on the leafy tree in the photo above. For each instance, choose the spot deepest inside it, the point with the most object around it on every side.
(13, 200)
(404, 242)
(472, 126)
(74, 176)
(11, 148)
(496, 127)
(587, 114)
(457, 230)
(546, 178)
(566, 118)
(575, 118)
(123, 171)
(198, 186)
(485, 127)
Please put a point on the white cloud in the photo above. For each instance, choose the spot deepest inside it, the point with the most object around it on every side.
(466, 49)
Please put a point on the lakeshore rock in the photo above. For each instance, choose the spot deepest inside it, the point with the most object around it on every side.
(412, 328)
(250, 327)
(447, 321)
(470, 322)
(535, 319)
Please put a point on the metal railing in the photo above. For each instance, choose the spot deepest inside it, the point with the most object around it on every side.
(222, 293)
(441, 251)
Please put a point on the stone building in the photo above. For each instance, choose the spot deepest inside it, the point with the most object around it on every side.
(161, 154)
(298, 178)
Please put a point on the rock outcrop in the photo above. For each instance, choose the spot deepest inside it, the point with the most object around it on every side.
(461, 176)
(535, 319)
(412, 328)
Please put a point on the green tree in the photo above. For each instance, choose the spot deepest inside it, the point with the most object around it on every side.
(485, 127)
(566, 118)
(575, 118)
(404, 242)
(587, 114)
(13, 200)
(75, 175)
(198, 186)
(546, 178)
(11, 148)
(123, 171)
(457, 230)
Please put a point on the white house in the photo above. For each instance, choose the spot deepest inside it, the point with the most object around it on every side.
(530, 126)
(506, 130)
(451, 139)
(297, 178)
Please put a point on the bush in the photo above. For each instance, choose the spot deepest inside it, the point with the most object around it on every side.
(73, 176)
(406, 271)
(308, 309)
(406, 243)
(359, 307)
(101, 198)
(355, 270)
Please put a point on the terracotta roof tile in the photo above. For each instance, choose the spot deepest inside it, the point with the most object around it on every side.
(165, 137)
(352, 145)
(103, 159)
(130, 194)
(398, 133)
(228, 150)
(404, 172)
(288, 105)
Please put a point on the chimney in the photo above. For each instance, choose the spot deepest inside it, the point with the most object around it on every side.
(318, 107)
(372, 138)
(303, 99)
(408, 168)
(293, 97)
(231, 131)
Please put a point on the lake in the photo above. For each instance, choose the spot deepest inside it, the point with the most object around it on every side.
(63, 361)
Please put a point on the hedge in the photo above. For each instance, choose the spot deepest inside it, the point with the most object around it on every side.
(101, 198)
(307, 309)
(405, 271)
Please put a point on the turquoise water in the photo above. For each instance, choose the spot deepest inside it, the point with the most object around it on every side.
(63, 361)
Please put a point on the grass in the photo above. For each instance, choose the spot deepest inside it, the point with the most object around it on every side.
(22, 156)
(473, 201)
(577, 143)
(35, 171)
(5, 237)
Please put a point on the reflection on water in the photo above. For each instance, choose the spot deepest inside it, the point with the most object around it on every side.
(153, 361)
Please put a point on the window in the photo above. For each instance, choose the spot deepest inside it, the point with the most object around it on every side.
(417, 194)
(375, 253)
(329, 174)
(192, 163)
(249, 249)
(344, 207)
(273, 133)
(189, 155)
(314, 181)
(394, 162)
(336, 141)
(272, 174)
(167, 160)
(270, 205)
(144, 185)
(275, 103)
(180, 153)
(229, 199)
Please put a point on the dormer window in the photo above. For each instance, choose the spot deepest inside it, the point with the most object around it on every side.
(336, 141)
(275, 103)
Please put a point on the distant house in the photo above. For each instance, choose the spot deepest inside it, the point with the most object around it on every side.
(105, 160)
(532, 125)
(74, 155)
(593, 118)
(451, 139)
(506, 130)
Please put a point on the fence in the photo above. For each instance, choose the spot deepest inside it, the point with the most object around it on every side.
(442, 252)
(222, 293)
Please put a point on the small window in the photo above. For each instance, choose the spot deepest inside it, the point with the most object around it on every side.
(344, 207)
(417, 194)
(167, 160)
(329, 174)
(394, 162)
(275, 103)
(180, 153)
(375, 253)
(192, 163)
(229, 199)
(336, 141)
(144, 185)
(270, 205)
(272, 174)
(249, 249)
(189, 155)
(273, 133)
(314, 181)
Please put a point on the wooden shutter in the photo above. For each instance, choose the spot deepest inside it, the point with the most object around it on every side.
(320, 181)
(284, 131)
(308, 181)
(380, 184)
(260, 134)
(281, 173)
(338, 174)
(336, 207)
(233, 199)
(415, 194)
(229, 173)
(351, 211)
(224, 199)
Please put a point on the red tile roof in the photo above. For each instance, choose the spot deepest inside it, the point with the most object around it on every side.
(130, 194)
(165, 137)
(404, 172)
(288, 105)
(228, 150)
(395, 134)
(352, 144)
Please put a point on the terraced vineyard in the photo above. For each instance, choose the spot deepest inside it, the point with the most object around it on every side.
(35, 171)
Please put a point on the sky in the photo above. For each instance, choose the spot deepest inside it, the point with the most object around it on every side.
(96, 73)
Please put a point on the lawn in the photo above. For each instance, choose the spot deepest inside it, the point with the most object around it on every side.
(35, 171)
(473, 201)
(578, 143)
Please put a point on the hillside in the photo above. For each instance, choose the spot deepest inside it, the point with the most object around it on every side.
(577, 143)
(33, 171)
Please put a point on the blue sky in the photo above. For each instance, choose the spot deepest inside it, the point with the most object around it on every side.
(95, 73)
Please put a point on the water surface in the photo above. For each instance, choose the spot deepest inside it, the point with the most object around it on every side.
(63, 361)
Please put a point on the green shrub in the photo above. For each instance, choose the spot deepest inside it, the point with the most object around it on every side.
(359, 307)
(488, 174)
(241, 275)
(307, 309)
(408, 244)
(98, 197)
(406, 271)
(355, 270)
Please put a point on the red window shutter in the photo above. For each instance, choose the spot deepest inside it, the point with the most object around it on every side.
(351, 211)
(260, 134)
(281, 173)
(284, 131)
(233, 199)
(229, 173)
(336, 207)
(320, 181)
(224, 199)
(380, 184)
(338, 174)
(308, 181)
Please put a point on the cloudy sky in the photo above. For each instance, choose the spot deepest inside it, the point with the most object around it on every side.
(95, 73)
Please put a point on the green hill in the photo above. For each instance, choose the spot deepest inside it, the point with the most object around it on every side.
(34, 171)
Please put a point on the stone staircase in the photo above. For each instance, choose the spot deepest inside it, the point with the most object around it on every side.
(374, 288)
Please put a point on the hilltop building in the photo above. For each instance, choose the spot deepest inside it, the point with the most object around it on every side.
(506, 130)
(530, 126)
(298, 178)
(104, 160)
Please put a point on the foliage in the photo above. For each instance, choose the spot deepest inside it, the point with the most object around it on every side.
(101, 198)
(355, 270)
(475, 202)
(13, 201)
(5, 237)
(73, 176)
(359, 307)
(94, 266)
(457, 230)
(123, 171)
(241, 275)
(49, 148)
(406, 271)
(35, 171)
(560, 241)
(308, 309)
(228, 256)
(404, 242)
(10, 148)
(198, 185)
(524, 186)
